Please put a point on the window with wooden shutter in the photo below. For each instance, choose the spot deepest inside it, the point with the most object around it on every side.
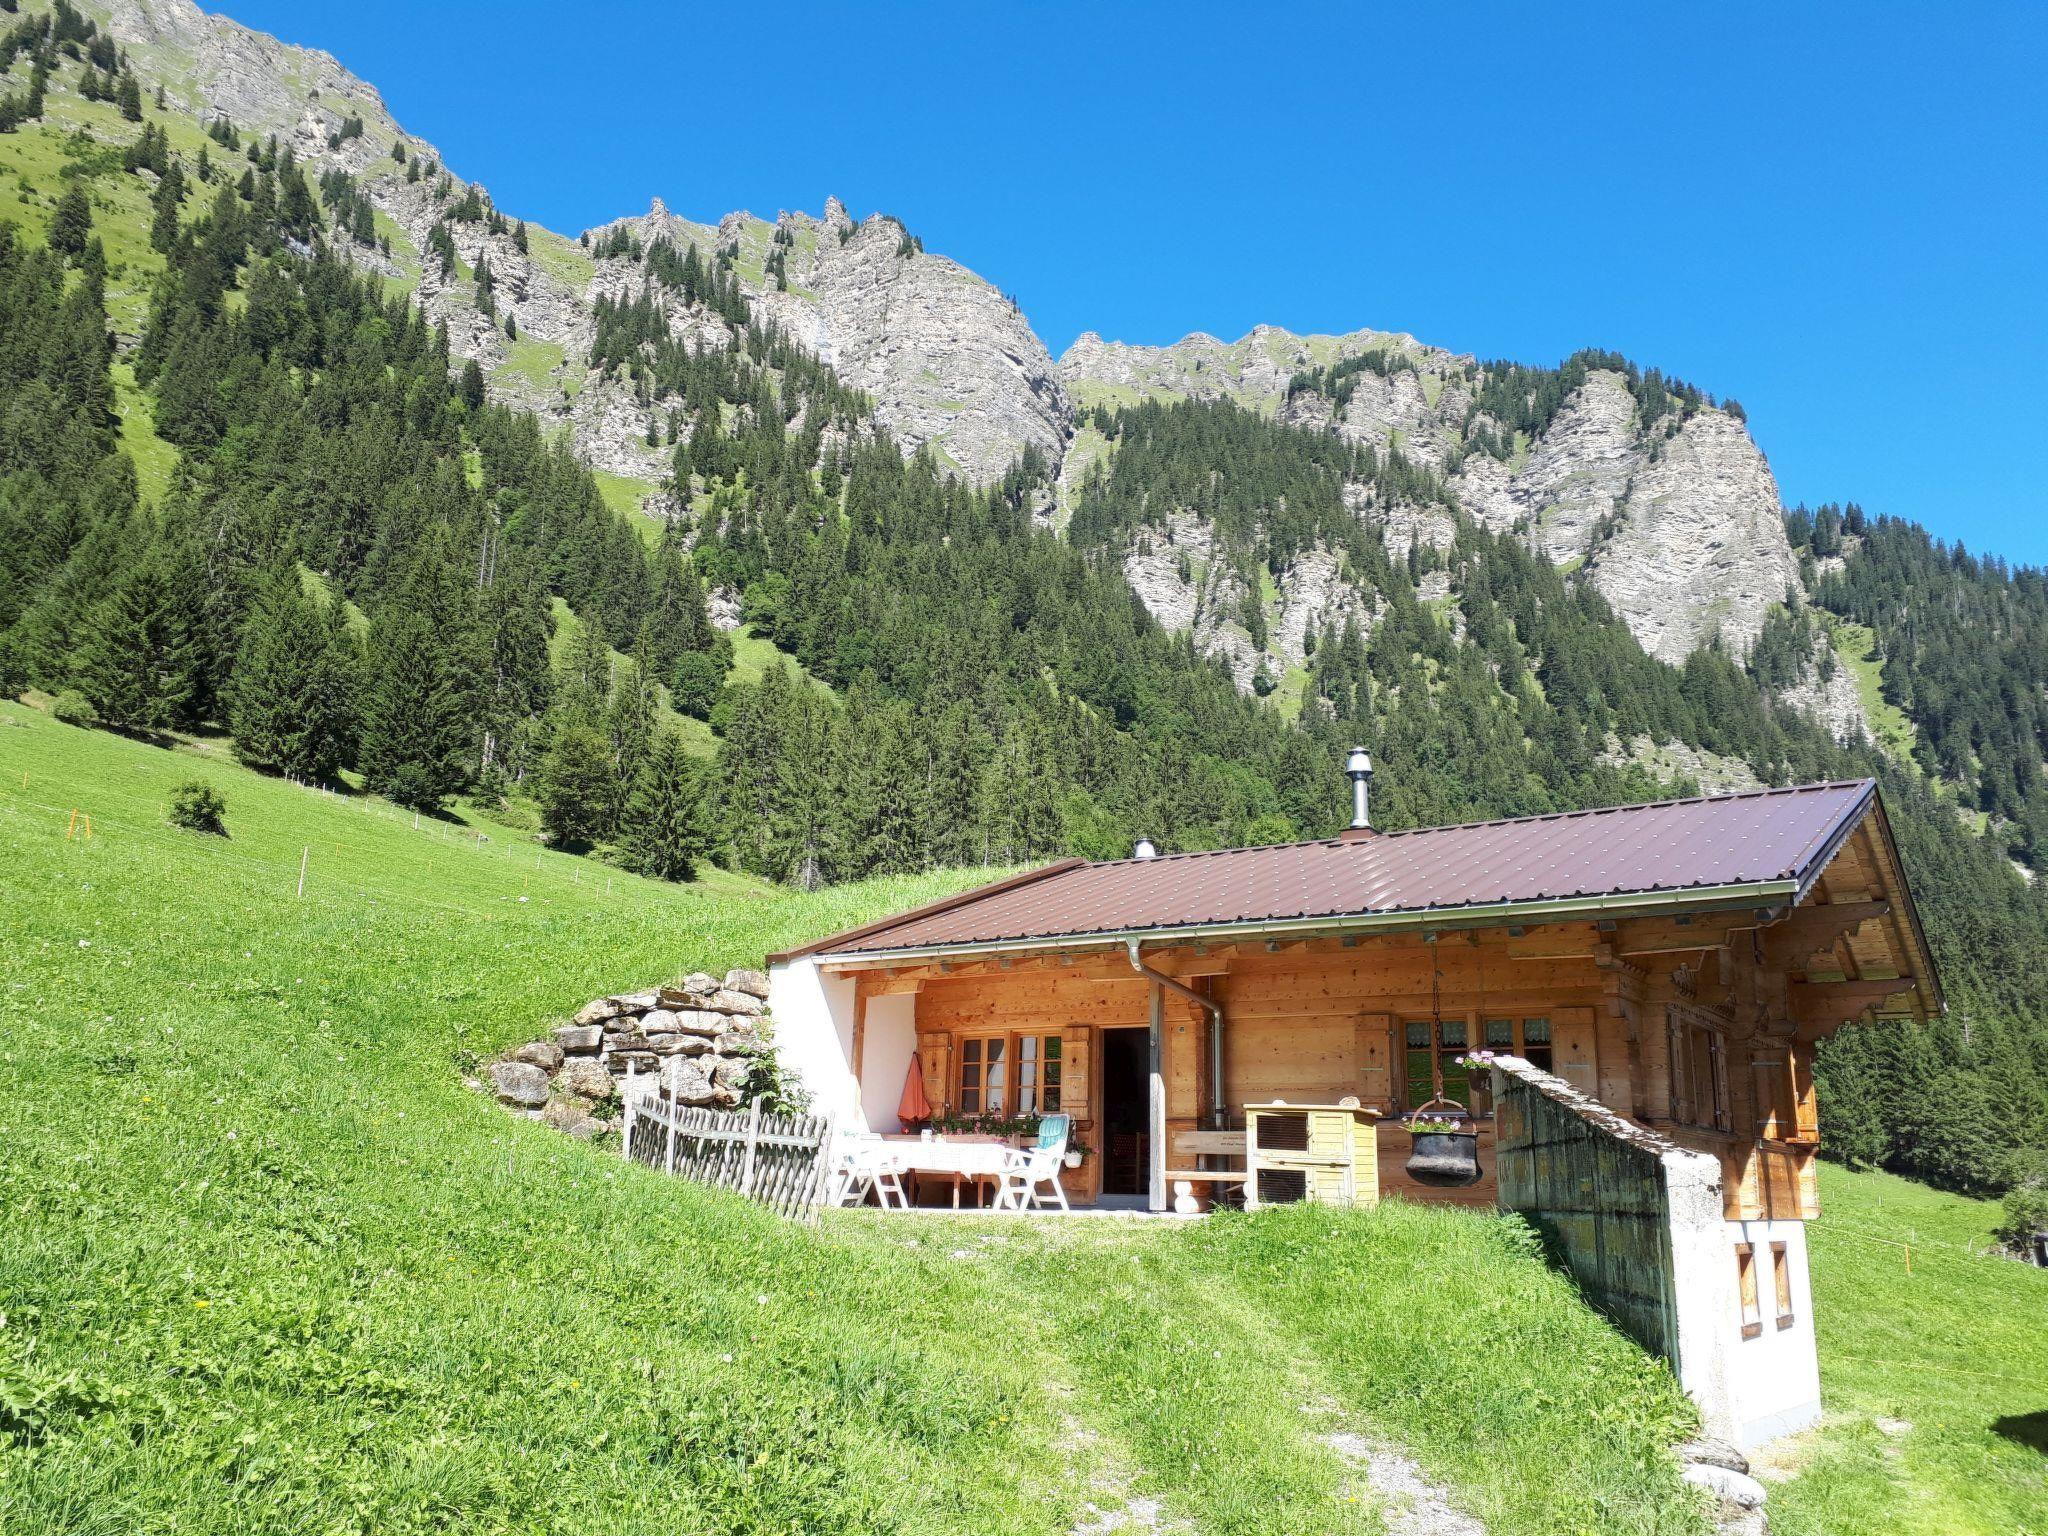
(1434, 1048)
(1699, 1070)
(1745, 1274)
(984, 1080)
(1528, 1038)
(1011, 1074)
(1781, 1283)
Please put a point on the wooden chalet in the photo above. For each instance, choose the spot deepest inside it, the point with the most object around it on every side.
(1676, 962)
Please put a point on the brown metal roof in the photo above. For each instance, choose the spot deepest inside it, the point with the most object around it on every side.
(1780, 837)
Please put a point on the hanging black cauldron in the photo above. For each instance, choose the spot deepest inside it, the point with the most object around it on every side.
(1444, 1146)
(1444, 1152)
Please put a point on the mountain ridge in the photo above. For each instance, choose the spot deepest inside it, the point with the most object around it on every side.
(1658, 498)
(1689, 548)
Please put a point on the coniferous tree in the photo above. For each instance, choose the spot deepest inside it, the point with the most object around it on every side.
(129, 96)
(291, 701)
(666, 826)
(415, 740)
(137, 664)
(164, 202)
(577, 787)
(629, 722)
(472, 386)
(71, 224)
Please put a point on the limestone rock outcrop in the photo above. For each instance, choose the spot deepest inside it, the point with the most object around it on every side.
(1699, 549)
(1677, 520)
(950, 362)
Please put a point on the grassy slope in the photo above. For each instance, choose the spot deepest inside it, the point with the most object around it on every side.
(698, 737)
(624, 494)
(754, 654)
(1955, 1348)
(1856, 648)
(268, 1265)
(81, 137)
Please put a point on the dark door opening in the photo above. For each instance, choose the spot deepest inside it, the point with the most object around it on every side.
(1126, 1112)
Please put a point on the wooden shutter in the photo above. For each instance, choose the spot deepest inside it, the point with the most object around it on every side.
(1574, 1049)
(939, 1087)
(1074, 1070)
(1374, 1050)
(1805, 1112)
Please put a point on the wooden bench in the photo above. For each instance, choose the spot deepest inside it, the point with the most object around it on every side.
(1193, 1144)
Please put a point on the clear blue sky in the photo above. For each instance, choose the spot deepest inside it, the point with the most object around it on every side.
(1837, 214)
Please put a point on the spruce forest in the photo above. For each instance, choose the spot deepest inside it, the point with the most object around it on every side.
(248, 490)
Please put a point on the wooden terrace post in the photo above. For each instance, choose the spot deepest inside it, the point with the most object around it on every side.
(861, 983)
(1156, 1097)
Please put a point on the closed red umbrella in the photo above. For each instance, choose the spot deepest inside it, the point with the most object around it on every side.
(914, 1107)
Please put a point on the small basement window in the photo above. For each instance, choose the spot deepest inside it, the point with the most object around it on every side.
(1781, 1280)
(1745, 1272)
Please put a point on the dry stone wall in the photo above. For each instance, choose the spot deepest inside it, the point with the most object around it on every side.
(706, 1039)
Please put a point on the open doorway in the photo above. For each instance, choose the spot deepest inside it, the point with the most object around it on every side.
(1126, 1112)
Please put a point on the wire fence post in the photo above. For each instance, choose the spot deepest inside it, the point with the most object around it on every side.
(305, 853)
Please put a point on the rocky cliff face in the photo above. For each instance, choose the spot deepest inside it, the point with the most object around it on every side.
(1677, 525)
(950, 362)
(1699, 546)
(217, 67)
(1253, 370)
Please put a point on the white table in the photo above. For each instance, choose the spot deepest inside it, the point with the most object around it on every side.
(957, 1158)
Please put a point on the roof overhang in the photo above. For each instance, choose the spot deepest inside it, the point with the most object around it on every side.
(1562, 909)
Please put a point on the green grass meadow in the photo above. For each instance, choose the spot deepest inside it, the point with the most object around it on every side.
(1934, 1370)
(270, 1266)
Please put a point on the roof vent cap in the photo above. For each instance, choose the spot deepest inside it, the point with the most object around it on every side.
(1146, 849)
(1358, 768)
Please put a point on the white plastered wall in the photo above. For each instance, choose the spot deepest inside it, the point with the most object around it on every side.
(891, 1038)
(813, 1013)
(1775, 1376)
(1750, 1390)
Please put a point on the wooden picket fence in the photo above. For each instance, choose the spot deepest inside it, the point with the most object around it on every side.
(783, 1161)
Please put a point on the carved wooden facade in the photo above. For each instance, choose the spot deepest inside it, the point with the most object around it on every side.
(1700, 1023)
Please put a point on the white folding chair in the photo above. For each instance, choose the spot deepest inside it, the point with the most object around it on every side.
(1031, 1175)
(865, 1166)
(887, 1180)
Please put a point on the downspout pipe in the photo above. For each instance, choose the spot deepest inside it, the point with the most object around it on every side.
(1217, 1109)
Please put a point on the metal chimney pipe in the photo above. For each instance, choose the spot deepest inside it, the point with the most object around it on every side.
(1146, 849)
(1358, 768)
